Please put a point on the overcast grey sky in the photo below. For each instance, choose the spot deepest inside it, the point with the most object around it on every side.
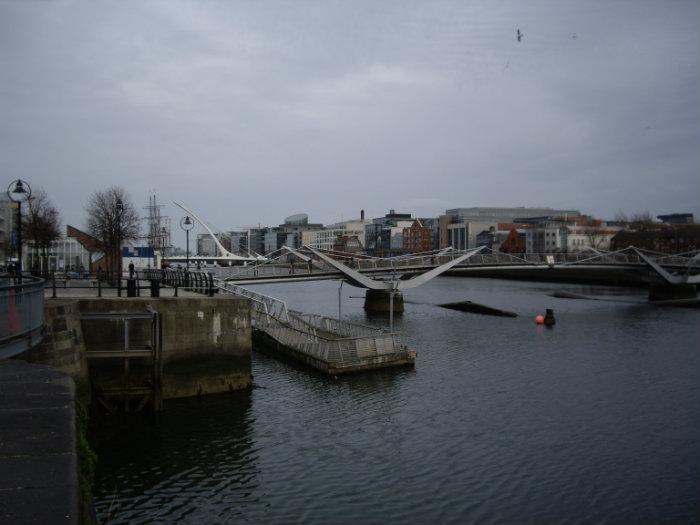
(251, 111)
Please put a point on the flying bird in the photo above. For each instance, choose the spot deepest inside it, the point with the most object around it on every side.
(519, 35)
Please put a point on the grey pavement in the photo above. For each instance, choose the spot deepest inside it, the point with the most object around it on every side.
(38, 462)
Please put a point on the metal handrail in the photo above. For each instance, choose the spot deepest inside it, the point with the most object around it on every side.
(309, 333)
(21, 314)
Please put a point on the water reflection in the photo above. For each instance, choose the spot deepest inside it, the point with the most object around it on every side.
(195, 457)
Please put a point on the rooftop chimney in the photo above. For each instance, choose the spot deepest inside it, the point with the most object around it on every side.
(362, 215)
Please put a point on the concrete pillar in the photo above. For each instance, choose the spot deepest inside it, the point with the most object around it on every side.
(378, 301)
(671, 292)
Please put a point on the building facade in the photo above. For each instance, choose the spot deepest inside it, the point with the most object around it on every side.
(64, 255)
(458, 227)
(384, 235)
(418, 237)
(677, 218)
(462, 235)
(327, 238)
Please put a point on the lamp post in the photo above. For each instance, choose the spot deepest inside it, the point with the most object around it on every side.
(120, 210)
(19, 191)
(164, 236)
(187, 224)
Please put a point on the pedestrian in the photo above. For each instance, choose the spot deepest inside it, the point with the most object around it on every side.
(131, 270)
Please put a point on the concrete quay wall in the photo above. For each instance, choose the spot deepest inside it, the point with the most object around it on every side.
(62, 346)
(206, 342)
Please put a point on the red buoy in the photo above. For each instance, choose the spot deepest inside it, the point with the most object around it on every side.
(539, 319)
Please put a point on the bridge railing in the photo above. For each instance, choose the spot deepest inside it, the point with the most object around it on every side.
(21, 314)
(404, 263)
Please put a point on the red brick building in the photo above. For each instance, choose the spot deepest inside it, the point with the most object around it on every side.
(418, 238)
(514, 243)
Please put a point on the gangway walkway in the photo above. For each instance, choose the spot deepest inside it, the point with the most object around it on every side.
(329, 345)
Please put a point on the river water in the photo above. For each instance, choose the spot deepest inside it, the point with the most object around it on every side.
(501, 421)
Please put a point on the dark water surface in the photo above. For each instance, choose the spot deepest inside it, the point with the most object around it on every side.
(596, 420)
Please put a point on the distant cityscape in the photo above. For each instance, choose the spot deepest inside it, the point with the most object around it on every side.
(508, 230)
(515, 230)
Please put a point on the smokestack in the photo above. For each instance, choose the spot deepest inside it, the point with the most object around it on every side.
(362, 215)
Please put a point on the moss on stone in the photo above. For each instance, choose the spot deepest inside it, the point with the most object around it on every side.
(87, 462)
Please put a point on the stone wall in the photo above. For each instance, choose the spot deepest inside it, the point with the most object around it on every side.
(62, 346)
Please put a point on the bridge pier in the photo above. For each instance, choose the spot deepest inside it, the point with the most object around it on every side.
(378, 301)
(672, 292)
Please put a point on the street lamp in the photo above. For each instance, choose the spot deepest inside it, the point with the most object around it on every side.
(163, 244)
(19, 191)
(187, 224)
(120, 210)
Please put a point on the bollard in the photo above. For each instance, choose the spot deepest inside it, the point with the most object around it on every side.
(99, 287)
(131, 288)
(549, 319)
(53, 294)
(155, 288)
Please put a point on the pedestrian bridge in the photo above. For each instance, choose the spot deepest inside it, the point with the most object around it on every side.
(307, 264)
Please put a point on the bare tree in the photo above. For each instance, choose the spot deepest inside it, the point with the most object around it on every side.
(41, 224)
(641, 221)
(595, 234)
(596, 237)
(621, 216)
(112, 220)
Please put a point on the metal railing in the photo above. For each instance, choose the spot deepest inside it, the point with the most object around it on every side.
(332, 326)
(335, 342)
(21, 314)
(337, 351)
(196, 281)
(262, 304)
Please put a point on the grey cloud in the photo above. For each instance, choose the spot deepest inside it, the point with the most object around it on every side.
(251, 111)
